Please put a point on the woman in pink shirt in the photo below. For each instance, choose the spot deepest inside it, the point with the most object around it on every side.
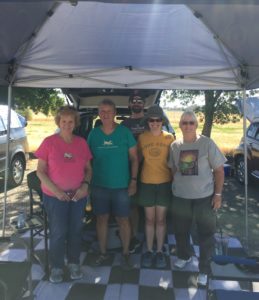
(65, 171)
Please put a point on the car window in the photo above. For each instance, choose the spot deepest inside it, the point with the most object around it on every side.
(2, 127)
(15, 121)
(22, 120)
(251, 132)
(257, 132)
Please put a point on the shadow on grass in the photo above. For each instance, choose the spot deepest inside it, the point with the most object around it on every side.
(232, 215)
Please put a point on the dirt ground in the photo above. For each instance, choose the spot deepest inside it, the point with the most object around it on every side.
(231, 215)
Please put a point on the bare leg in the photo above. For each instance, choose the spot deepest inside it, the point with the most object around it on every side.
(124, 226)
(102, 230)
(150, 226)
(160, 226)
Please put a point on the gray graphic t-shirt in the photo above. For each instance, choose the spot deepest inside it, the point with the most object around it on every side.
(193, 165)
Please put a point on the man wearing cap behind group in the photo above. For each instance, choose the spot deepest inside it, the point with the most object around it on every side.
(136, 125)
(155, 188)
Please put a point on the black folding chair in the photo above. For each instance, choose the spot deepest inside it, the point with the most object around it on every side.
(37, 208)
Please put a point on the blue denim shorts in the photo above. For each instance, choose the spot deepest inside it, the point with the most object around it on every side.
(110, 201)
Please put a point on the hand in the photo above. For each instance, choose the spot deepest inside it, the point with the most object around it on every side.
(132, 188)
(62, 196)
(216, 202)
(80, 193)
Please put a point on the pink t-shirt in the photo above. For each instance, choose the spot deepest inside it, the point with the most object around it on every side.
(65, 162)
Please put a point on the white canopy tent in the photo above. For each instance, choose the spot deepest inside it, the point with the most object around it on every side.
(131, 44)
(144, 44)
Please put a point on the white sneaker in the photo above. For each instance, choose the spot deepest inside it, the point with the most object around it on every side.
(75, 271)
(202, 279)
(181, 263)
(56, 275)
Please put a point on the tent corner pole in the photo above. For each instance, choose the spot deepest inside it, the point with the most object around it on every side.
(7, 159)
(245, 171)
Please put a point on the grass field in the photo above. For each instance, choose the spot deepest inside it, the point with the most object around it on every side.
(226, 136)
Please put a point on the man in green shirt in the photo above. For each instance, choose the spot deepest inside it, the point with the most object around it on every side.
(115, 168)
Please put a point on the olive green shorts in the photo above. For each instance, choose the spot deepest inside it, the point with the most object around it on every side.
(155, 194)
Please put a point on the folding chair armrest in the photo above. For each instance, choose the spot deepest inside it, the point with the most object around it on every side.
(227, 259)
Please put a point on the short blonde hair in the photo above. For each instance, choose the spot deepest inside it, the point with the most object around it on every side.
(67, 111)
(191, 114)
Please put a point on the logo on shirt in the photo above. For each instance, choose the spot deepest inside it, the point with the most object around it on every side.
(155, 152)
(68, 157)
(188, 162)
(107, 143)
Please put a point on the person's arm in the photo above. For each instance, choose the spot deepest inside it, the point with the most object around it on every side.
(133, 156)
(170, 162)
(45, 180)
(219, 182)
(83, 190)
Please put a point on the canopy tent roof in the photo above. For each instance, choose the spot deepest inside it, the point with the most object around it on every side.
(130, 44)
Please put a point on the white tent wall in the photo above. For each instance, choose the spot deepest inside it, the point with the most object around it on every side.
(166, 44)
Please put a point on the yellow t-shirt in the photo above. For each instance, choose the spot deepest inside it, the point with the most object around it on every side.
(155, 152)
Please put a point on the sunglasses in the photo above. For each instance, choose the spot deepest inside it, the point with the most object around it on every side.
(154, 120)
(188, 122)
(137, 101)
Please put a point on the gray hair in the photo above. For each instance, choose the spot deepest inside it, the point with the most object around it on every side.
(108, 102)
(191, 114)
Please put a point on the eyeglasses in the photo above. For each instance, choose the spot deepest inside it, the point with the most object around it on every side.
(137, 101)
(155, 120)
(187, 122)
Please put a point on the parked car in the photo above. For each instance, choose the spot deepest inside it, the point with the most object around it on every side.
(86, 101)
(252, 141)
(18, 146)
(252, 138)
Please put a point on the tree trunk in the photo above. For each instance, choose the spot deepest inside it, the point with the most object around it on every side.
(211, 98)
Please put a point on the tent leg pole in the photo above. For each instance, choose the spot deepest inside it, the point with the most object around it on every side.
(7, 158)
(245, 171)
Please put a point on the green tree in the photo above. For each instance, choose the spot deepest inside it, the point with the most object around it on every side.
(38, 100)
(219, 105)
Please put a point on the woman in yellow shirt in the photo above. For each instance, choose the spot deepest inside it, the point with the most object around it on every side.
(155, 188)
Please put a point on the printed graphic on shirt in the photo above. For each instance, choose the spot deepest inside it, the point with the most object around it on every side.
(137, 130)
(188, 162)
(107, 144)
(68, 157)
(154, 149)
(154, 152)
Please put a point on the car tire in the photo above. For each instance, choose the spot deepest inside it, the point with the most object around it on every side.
(240, 170)
(16, 171)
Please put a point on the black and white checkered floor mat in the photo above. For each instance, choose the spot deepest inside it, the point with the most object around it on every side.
(111, 282)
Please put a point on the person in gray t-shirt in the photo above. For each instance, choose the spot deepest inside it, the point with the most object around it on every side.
(197, 167)
(135, 123)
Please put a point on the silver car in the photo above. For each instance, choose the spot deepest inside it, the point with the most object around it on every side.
(18, 146)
